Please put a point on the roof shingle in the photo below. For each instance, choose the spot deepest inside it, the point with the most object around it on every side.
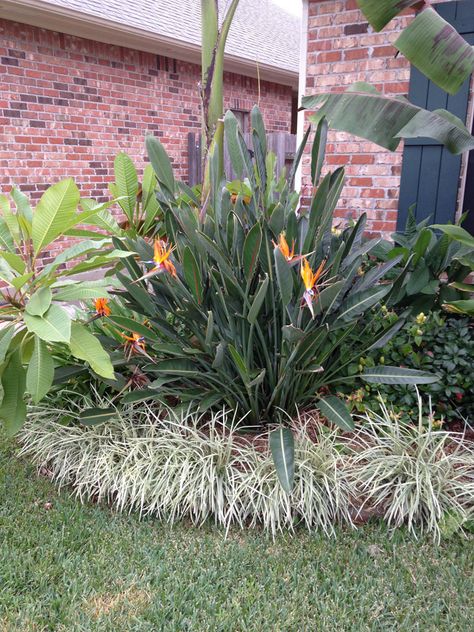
(261, 31)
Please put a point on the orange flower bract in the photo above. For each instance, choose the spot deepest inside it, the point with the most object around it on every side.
(101, 307)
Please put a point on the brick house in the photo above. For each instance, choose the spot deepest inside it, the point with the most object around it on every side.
(83, 79)
(340, 48)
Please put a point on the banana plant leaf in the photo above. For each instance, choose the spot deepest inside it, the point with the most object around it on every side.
(365, 112)
(380, 12)
(437, 50)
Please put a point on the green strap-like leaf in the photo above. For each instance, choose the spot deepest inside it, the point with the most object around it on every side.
(192, 274)
(86, 346)
(54, 213)
(282, 446)
(361, 301)
(95, 416)
(239, 363)
(437, 50)
(397, 375)
(160, 163)
(13, 408)
(336, 411)
(284, 277)
(252, 244)
(258, 301)
(40, 373)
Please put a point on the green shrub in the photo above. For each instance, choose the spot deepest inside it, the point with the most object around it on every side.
(441, 344)
(248, 303)
(433, 267)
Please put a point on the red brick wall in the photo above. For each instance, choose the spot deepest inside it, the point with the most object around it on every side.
(343, 49)
(68, 105)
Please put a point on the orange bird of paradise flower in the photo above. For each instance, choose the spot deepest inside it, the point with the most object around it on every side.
(134, 344)
(310, 280)
(161, 259)
(284, 248)
(102, 307)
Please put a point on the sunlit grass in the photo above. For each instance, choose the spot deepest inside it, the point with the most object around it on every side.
(71, 567)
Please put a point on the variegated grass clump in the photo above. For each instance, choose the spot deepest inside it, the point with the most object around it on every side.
(415, 475)
(184, 465)
(176, 465)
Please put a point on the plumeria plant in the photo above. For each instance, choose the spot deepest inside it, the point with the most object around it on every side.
(39, 318)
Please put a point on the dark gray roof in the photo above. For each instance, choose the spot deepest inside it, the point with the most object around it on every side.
(262, 31)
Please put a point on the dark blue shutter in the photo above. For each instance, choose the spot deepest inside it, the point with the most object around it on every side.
(430, 174)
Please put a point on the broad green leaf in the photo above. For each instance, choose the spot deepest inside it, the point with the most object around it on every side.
(53, 326)
(80, 292)
(192, 274)
(282, 446)
(40, 301)
(336, 411)
(418, 279)
(95, 416)
(421, 245)
(40, 373)
(19, 282)
(6, 239)
(76, 250)
(456, 232)
(10, 218)
(86, 346)
(397, 375)
(14, 261)
(365, 112)
(22, 206)
(258, 301)
(441, 125)
(126, 182)
(54, 213)
(13, 408)
(380, 12)
(160, 163)
(284, 276)
(359, 302)
(251, 252)
(6, 335)
(437, 50)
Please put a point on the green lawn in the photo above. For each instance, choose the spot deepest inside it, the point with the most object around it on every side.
(73, 567)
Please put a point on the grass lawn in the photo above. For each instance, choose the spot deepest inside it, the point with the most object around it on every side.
(71, 567)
